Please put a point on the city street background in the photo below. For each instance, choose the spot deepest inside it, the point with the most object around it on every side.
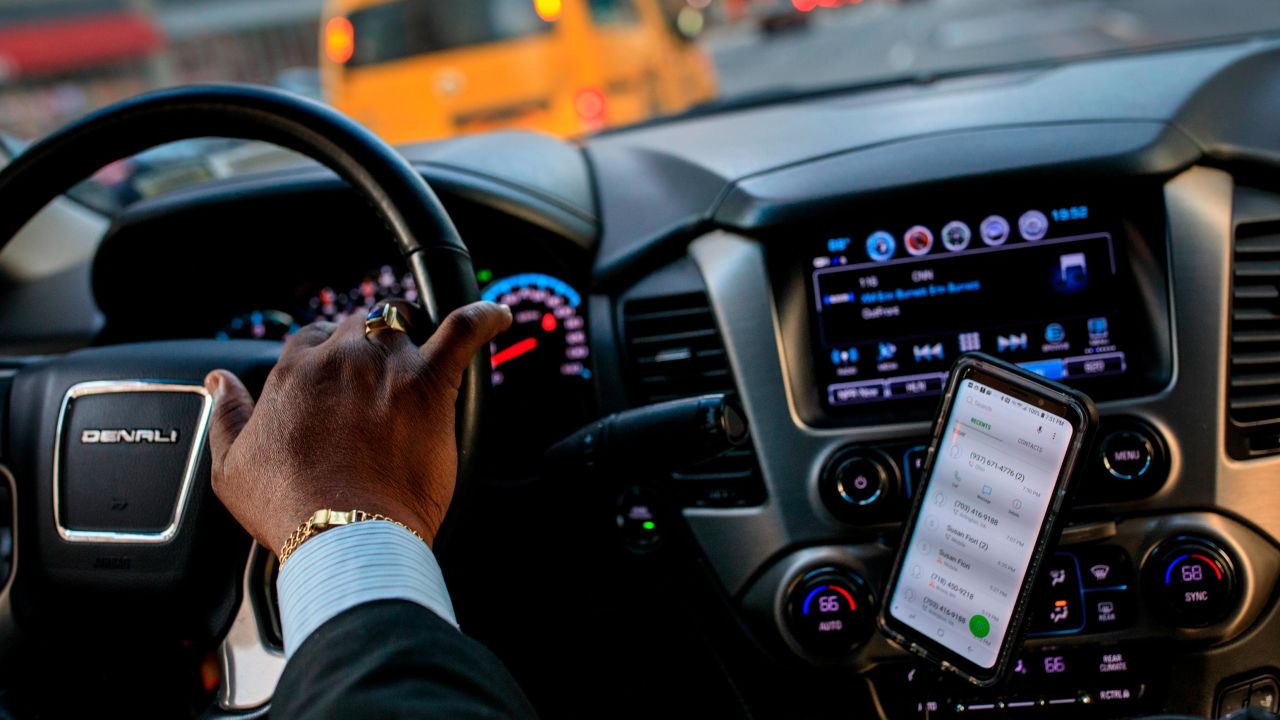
(60, 59)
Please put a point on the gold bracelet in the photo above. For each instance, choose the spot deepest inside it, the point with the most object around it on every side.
(322, 520)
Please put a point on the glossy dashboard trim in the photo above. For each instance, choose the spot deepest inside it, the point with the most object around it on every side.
(251, 667)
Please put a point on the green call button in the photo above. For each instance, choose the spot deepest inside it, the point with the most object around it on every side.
(979, 626)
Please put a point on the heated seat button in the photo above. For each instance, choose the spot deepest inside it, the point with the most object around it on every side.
(1056, 607)
(829, 612)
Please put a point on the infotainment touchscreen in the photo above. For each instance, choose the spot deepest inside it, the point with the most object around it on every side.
(896, 300)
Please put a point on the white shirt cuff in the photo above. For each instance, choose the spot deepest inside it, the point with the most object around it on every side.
(352, 565)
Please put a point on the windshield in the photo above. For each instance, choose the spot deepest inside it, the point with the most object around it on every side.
(416, 70)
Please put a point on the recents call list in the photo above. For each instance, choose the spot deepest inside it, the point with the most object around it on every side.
(985, 501)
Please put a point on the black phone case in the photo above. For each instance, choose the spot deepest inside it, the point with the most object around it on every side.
(1054, 518)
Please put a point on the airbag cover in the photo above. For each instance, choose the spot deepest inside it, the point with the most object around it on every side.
(127, 456)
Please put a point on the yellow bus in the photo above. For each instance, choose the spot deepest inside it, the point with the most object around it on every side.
(418, 69)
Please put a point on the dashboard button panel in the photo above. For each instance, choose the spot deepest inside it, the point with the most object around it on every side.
(1082, 590)
(1051, 682)
(1058, 604)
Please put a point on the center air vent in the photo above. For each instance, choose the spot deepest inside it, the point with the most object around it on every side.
(1254, 393)
(675, 348)
(675, 352)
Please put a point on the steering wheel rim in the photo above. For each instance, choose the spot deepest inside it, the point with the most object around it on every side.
(412, 213)
(426, 236)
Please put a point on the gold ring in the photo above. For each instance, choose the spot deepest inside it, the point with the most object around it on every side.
(385, 317)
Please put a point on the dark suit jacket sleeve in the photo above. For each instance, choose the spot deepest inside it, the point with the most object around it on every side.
(395, 659)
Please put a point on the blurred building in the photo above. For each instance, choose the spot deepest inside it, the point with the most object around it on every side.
(62, 58)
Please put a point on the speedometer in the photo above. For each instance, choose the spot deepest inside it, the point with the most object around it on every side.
(547, 338)
(540, 369)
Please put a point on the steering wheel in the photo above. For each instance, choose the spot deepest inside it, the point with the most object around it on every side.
(124, 547)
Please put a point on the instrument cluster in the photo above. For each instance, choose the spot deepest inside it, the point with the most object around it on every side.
(540, 367)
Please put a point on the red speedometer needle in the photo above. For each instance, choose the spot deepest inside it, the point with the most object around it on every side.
(513, 352)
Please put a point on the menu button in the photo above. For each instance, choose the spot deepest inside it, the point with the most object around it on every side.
(1127, 454)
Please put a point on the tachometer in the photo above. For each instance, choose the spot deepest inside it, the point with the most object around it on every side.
(548, 337)
(382, 284)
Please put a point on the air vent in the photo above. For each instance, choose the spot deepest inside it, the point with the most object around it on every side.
(1254, 394)
(675, 349)
(675, 352)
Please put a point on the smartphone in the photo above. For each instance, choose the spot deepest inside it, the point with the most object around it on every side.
(997, 475)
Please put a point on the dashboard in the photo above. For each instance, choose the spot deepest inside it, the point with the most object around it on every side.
(1113, 223)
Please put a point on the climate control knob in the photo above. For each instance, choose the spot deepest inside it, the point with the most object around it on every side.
(1193, 581)
(830, 611)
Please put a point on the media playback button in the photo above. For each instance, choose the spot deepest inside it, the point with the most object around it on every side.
(916, 385)
(1102, 364)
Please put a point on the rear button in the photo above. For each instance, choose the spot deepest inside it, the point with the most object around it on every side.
(1108, 610)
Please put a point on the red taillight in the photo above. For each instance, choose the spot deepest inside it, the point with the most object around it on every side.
(590, 105)
(804, 5)
(339, 40)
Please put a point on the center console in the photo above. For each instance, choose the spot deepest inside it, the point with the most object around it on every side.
(870, 303)
(1112, 603)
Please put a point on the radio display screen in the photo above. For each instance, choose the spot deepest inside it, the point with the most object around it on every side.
(894, 303)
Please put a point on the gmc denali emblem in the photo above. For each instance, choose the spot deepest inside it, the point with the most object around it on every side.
(137, 436)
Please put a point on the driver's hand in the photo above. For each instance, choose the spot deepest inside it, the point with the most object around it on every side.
(347, 422)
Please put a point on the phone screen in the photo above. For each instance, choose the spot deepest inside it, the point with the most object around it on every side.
(992, 484)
